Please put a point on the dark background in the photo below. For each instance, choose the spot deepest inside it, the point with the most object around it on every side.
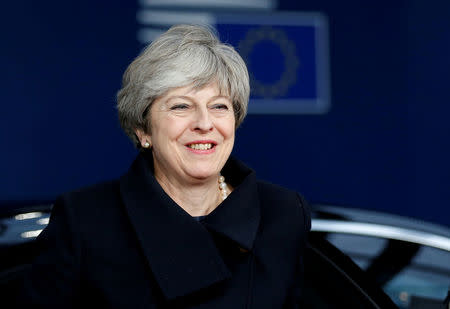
(384, 144)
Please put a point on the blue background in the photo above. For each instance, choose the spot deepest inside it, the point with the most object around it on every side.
(268, 62)
(384, 144)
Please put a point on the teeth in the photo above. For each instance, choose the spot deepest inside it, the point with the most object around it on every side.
(201, 146)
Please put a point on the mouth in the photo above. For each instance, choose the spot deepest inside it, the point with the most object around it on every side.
(201, 145)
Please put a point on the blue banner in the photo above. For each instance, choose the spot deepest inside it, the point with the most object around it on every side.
(287, 59)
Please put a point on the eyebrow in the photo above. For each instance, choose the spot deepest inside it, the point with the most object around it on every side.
(190, 99)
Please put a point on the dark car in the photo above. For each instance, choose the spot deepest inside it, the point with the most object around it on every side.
(349, 262)
(408, 258)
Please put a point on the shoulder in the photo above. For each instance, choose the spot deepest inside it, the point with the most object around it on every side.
(280, 202)
(88, 212)
(100, 190)
(267, 188)
(283, 197)
(91, 197)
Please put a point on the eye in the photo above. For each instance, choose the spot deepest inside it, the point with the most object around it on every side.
(220, 106)
(179, 107)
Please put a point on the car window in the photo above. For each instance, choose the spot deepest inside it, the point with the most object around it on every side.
(410, 274)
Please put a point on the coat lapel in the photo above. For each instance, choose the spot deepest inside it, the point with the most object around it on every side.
(180, 250)
(237, 218)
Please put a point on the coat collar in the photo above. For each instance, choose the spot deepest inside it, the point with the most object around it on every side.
(180, 251)
(238, 216)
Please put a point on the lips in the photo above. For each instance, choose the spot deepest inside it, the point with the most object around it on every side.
(201, 145)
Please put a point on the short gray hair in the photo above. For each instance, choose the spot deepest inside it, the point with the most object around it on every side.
(184, 55)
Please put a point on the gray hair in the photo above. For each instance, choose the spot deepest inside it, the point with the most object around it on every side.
(184, 55)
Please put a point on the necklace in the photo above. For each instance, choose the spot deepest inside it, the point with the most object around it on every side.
(223, 187)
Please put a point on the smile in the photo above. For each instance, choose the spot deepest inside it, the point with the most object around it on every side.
(201, 146)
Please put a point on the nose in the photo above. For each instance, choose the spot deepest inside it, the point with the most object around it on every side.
(202, 121)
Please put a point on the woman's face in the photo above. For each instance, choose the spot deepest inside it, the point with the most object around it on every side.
(192, 133)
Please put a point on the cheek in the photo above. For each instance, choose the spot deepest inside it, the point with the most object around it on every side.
(231, 127)
(167, 130)
(228, 129)
(230, 135)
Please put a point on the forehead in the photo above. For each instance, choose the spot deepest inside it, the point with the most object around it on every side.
(208, 91)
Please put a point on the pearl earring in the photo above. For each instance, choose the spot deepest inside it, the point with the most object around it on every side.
(146, 144)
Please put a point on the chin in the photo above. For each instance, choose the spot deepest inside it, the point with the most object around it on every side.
(203, 173)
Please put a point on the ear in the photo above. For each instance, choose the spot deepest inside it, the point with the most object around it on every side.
(144, 138)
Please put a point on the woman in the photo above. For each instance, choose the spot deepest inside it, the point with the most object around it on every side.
(188, 226)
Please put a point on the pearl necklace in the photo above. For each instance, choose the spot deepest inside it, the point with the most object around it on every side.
(223, 187)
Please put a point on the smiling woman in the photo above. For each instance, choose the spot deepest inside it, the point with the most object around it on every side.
(188, 226)
(192, 135)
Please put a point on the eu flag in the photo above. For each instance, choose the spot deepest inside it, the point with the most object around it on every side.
(287, 58)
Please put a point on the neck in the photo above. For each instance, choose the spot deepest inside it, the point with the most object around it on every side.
(197, 198)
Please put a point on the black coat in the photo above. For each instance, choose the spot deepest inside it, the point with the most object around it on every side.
(126, 244)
